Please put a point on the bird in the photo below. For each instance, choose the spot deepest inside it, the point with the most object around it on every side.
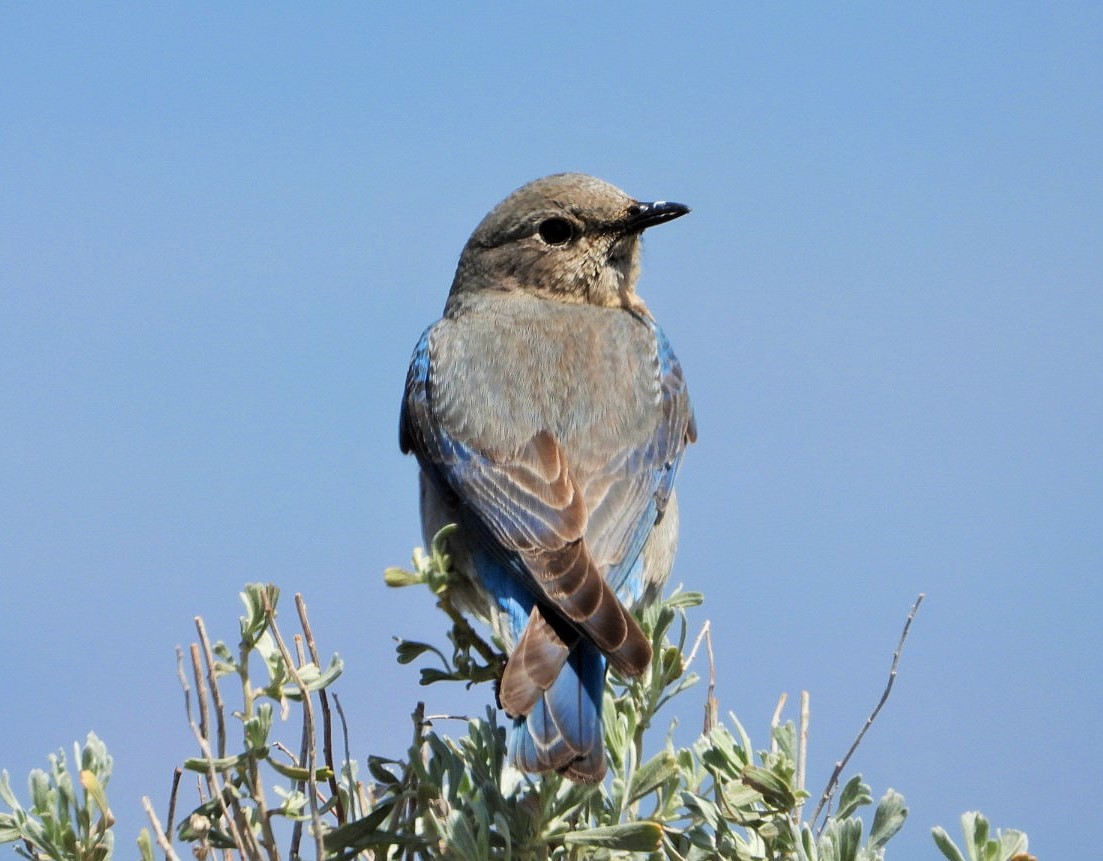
(549, 416)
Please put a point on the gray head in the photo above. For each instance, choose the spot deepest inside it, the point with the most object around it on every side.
(567, 237)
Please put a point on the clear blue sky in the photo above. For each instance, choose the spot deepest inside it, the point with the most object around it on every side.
(222, 231)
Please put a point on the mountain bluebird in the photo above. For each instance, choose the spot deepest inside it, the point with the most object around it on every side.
(549, 416)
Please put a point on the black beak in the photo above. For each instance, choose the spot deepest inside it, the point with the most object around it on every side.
(644, 215)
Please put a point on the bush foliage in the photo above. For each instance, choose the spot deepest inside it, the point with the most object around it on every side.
(457, 798)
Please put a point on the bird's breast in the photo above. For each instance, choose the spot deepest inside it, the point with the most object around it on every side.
(501, 374)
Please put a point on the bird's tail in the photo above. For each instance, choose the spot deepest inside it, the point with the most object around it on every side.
(563, 731)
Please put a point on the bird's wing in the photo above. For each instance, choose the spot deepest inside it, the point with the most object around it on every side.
(532, 509)
(627, 490)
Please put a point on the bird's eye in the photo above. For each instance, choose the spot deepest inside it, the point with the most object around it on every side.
(556, 231)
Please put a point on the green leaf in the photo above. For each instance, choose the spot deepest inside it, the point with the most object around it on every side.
(945, 844)
(397, 578)
(461, 839)
(383, 775)
(265, 646)
(888, 819)
(376, 839)
(850, 839)
(1012, 842)
(9, 829)
(220, 839)
(410, 650)
(258, 727)
(630, 837)
(39, 784)
(94, 757)
(429, 675)
(440, 541)
(785, 735)
(255, 620)
(682, 600)
(807, 844)
(224, 763)
(744, 739)
(361, 832)
(651, 775)
(703, 809)
(853, 795)
(145, 845)
(297, 773)
(94, 788)
(718, 751)
(6, 794)
(975, 828)
(314, 679)
(774, 789)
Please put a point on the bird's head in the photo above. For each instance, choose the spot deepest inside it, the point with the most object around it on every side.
(568, 237)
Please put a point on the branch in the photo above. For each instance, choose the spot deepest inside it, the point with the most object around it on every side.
(829, 791)
(158, 831)
(308, 723)
(327, 719)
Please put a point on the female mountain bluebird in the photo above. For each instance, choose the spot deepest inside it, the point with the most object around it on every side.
(549, 416)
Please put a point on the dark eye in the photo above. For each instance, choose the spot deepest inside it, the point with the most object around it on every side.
(556, 231)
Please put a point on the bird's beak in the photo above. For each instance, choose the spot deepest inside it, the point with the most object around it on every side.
(643, 215)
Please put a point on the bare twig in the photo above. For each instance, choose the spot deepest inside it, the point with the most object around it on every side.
(311, 762)
(712, 707)
(212, 780)
(212, 682)
(158, 832)
(353, 795)
(203, 730)
(327, 718)
(260, 813)
(832, 783)
(300, 785)
(236, 822)
(250, 850)
(284, 749)
(697, 643)
(180, 674)
(201, 693)
(177, 773)
(493, 658)
(802, 749)
(775, 721)
(404, 812)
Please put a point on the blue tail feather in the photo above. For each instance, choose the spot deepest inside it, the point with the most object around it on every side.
(563, 732)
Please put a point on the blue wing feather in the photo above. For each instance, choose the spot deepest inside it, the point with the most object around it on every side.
(658, 460)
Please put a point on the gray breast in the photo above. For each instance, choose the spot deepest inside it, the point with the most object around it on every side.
(509, 368)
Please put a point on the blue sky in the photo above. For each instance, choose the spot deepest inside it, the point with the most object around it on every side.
(223, 229)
